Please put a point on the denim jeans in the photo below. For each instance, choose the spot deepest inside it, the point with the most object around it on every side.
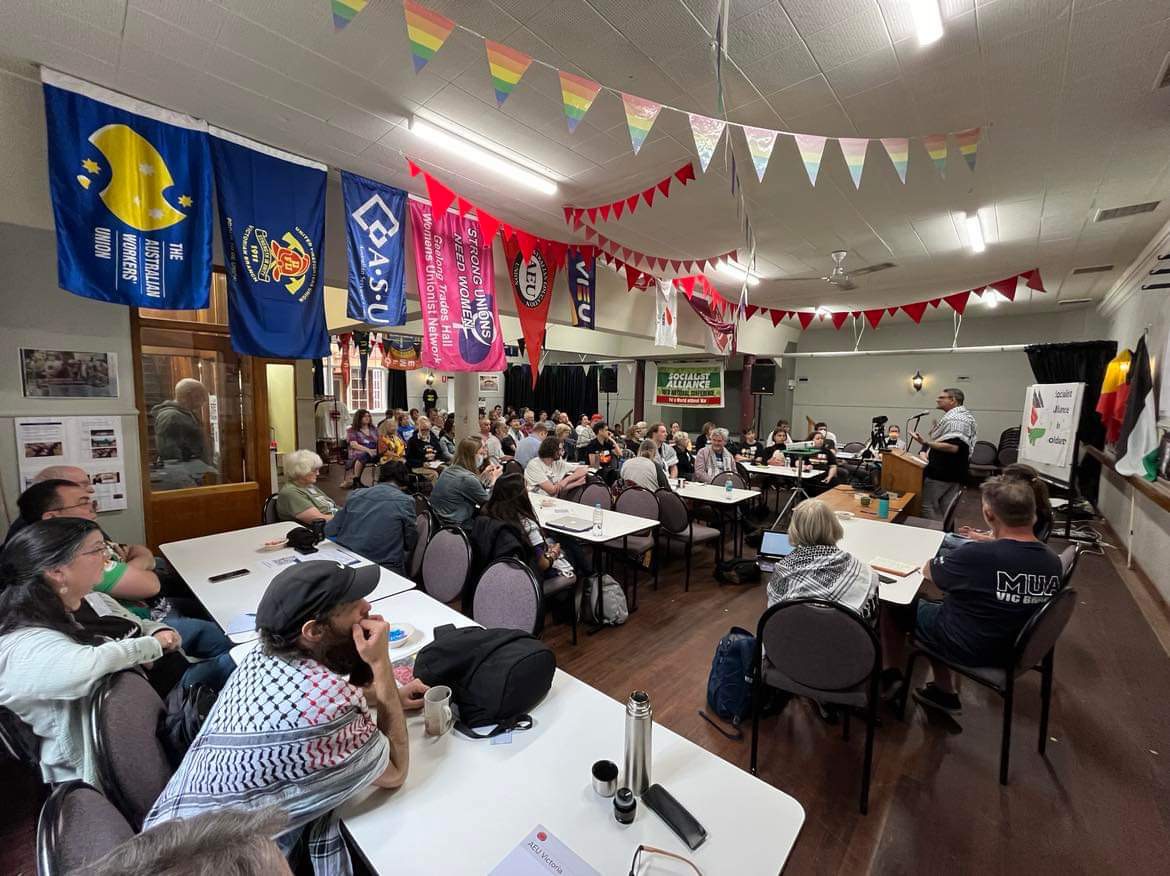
(205, 642)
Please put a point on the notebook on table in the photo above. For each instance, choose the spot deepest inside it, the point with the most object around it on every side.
(893, 567)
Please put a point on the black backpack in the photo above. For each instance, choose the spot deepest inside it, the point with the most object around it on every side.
(737, 572)
(495, 676)
(729, 686)
(186, 710)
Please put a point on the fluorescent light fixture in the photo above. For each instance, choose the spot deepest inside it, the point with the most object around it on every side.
(482, 156)
(927, 21)
(975, 233)
(736, 271)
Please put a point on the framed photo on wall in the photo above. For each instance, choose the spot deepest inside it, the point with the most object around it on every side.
(1164, 456)
(68, 374)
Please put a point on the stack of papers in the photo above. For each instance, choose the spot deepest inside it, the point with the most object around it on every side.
(894, 567)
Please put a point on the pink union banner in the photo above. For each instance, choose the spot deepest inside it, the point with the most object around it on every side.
(456, 291)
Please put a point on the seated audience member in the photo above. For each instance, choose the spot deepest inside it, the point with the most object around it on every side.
(603, 452)
(51, 655)
(446, 438)
(379, 523)
(460, 489)
(490, 442)
(643, 470)
(73, 474)
(894, 438)
(504, 435)
(516, 429)
(714, 459)
(300, 498)
(823, 428)
(584, 431)
(294, 725)
(664, 453)
(223, 842)
(423, 447)
(818, 569)
(406, 426)
(362, 441)
(674, 428)
(1045, 518)
(826, 457)
(549, 471)
(704, 436)
(527, 421)
(636, 434)
(391, 448)
(511, 505)
(991, 588)
(567, 438)
(682, 452)
(414, 416)
(750, 448)
(529, 447)
(774, 452)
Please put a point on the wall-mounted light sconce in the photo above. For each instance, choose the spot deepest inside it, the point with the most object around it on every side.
(431, 379)
(916, 381)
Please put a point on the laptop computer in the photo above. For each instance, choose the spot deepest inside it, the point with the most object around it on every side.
(774, 546)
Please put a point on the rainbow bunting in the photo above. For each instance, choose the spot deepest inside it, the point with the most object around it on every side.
(760, 142)
(968, 144)
(426, 30)
(578, 94)
(507, 65)
(898, 148)
(706, 132)
(811, 149)
(640, 116)
(854, 151)
(936, 145)
(344, 11)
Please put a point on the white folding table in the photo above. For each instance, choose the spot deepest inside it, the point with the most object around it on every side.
(197, 560)
(467, 802)
(866, 539)
(716, 494)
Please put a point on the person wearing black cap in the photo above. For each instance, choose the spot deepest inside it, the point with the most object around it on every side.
(293, 726)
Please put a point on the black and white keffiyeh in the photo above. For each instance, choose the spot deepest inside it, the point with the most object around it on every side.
(825, 572)
(959, 423)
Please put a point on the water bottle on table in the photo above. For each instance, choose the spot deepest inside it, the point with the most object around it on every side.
(598, 526)
(639, 720)
(728, 488)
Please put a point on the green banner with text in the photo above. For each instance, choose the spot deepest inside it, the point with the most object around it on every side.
(689, 386)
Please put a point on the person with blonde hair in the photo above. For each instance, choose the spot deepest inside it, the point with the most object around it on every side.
(391, 447)
(461, 489)
(643, 470)
(818, 569)
(300, 498)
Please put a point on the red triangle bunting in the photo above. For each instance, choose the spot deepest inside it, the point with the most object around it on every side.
(958, 301)
(618, 208)
(915, 311)
(805, 317)
(874, 316)
(648, 194)
(464, 206)
(592, 214)
(556, 252)
(935, 302)
(749, 311)
(776, 316)
(855, 313)
(676, 264)
(664, 187)
(527, 243)
(685, 174)
(689, 264)
(688, 286)
(604, 211)
(568, 215)
(632, 275)
(590, 233)
(1006, 287)
(1033, 280)
(632, 203)
(413, 168)
(441, 196)
(892, 310)
(839, 318)
(626, 253)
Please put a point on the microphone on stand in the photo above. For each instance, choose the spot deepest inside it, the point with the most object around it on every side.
(915, 419)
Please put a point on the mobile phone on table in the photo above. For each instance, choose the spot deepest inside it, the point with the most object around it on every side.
(227, 576)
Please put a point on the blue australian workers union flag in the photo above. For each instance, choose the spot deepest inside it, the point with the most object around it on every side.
(375, 231)
(131, 190)
(272, 217)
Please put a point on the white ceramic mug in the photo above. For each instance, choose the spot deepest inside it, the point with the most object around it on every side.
(437, 715)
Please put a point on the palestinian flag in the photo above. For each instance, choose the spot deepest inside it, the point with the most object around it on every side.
(1137, 449)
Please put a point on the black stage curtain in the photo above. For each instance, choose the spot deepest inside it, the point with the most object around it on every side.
(1081, 361)
(395, 388)
(559, 387)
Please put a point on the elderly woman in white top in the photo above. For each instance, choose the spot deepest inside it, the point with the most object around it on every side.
(818, 569)
(49, 665)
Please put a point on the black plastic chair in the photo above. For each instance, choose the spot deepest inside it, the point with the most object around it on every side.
(77, 826)
(1034, 649)
(512, 467)
(425, 525)
(984, 460)
(947, 524)
(18, 739)
(268, 512)
(823, 650)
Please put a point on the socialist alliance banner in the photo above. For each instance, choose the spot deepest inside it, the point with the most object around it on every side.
(130, 185)
(272, 218)
(532, 284)
(374, 218)
(456, 290)
(689, 386)
(581, 273)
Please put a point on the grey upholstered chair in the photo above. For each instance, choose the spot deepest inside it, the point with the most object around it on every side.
(508, 596)
(678, 526)
(595, 494)
(445, 564)
(424, 524)
(77, 826)
(132, 762)
(632, 548)
(1035, 648)
(823, 650)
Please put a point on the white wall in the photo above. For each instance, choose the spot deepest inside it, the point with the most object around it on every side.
(35, 313)
(1125, 314)
(847, 392)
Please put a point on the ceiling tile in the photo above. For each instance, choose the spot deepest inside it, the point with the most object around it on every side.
(809, 16)
(758, 34)
(876, 68)
(849, 39)
(790, 64)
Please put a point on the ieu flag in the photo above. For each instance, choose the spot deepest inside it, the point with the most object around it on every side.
(375, 230)
(582, 275)
(131, 190)
(272, 217)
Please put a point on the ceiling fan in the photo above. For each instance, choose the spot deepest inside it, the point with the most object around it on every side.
(840, 276)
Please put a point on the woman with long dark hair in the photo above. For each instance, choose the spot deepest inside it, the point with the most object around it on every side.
(362, 439)
(50, 663)
(509, 503)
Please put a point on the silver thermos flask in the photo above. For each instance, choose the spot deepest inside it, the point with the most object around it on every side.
(639, 719)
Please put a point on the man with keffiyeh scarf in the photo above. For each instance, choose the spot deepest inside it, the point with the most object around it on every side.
(948, 448)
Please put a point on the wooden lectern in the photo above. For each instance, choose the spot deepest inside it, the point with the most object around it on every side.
(902, 473)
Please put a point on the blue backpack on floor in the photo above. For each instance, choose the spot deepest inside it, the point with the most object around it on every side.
(729, 686)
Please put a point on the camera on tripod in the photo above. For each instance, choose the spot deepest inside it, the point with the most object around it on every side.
(877, 437)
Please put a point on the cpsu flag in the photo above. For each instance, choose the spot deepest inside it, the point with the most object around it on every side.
(375, 226)
(131, 190)
(456, 290)
(581, 273)
(272, 217)
(532, 284)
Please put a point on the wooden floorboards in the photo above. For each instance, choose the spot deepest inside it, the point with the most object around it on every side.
(1098, 803)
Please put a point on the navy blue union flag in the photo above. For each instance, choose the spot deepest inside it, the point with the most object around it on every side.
(130, 185)
(375, 226)
(272, 218)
